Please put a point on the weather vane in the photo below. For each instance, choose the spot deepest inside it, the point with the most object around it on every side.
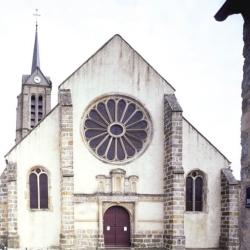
(36, 15)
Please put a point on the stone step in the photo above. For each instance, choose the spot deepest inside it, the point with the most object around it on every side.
(119, 248)
(131, 248)
(204, 249)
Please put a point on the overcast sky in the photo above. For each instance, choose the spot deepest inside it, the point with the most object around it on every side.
(201, 58)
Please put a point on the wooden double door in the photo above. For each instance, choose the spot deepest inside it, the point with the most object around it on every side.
(116, 227)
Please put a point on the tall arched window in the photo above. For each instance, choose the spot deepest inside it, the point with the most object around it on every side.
(40, 108)
(38, 184)
(32, 111)
(195, 191)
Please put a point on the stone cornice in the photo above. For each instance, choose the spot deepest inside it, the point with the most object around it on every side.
(78, 198)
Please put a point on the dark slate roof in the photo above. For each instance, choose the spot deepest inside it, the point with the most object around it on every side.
(28, 79)
(35, 68)
(25, 78)
(36, 58)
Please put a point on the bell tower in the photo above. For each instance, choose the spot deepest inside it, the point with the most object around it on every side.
(34, 102)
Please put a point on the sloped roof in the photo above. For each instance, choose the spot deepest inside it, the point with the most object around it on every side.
(28, 79)
(35, 67)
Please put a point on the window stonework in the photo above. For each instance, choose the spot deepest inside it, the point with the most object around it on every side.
(117, 129)
(38, 189)
(32, 111)
(36, 110)
(195, 191)
(40, 108)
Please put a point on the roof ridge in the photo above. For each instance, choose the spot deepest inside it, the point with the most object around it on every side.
(104, 45)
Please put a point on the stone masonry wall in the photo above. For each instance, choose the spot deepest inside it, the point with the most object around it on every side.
(22, 116)
(229, 238)
(86, 239)
(67, 235)
(245, 136)
(18, 119)
(13, 237)
(3, 208)
(242, 7)
(173, 175)
(23, 108)
(148, 239)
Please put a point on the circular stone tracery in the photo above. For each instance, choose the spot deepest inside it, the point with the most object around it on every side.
(117, 129)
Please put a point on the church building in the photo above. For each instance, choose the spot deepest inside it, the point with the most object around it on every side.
(113, 165)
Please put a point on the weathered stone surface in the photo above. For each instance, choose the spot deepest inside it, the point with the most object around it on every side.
(23, 114)
(147, 239)
(243, 7)
(89, 239)
(245, 157)
(78, 198)
(173, 237)
(13, 237)
(12, 175)
(3, 207)
(173, 103)
(229, 238)
(108, 184)
(65, 97)
(67, 236)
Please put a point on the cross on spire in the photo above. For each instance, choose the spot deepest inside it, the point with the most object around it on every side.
(36, 15)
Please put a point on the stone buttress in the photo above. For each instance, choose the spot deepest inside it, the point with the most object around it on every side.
(229, 238)
(67, 235)
(3, 208)
(13, 237)
(173, 175)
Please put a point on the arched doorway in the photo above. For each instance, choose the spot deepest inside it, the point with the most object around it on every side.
(116, 227)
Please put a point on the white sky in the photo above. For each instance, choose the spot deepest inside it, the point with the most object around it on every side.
(201, 58)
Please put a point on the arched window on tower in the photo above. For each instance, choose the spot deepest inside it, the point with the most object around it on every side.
(38, 189)
(32, 111)
(40, 108)
(195, 191)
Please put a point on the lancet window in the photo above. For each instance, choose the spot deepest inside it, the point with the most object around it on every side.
(195, 191)
(38, 187)
(33, 111)
(40, 108)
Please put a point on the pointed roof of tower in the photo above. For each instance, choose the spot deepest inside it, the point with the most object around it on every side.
(36, 57)
(35, 67)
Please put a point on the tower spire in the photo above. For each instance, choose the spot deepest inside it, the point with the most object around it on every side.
(33, 106)
(36, 57)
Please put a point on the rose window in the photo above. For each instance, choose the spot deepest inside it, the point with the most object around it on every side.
(117, 129)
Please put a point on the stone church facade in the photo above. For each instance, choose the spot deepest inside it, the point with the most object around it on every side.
(113, 164)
